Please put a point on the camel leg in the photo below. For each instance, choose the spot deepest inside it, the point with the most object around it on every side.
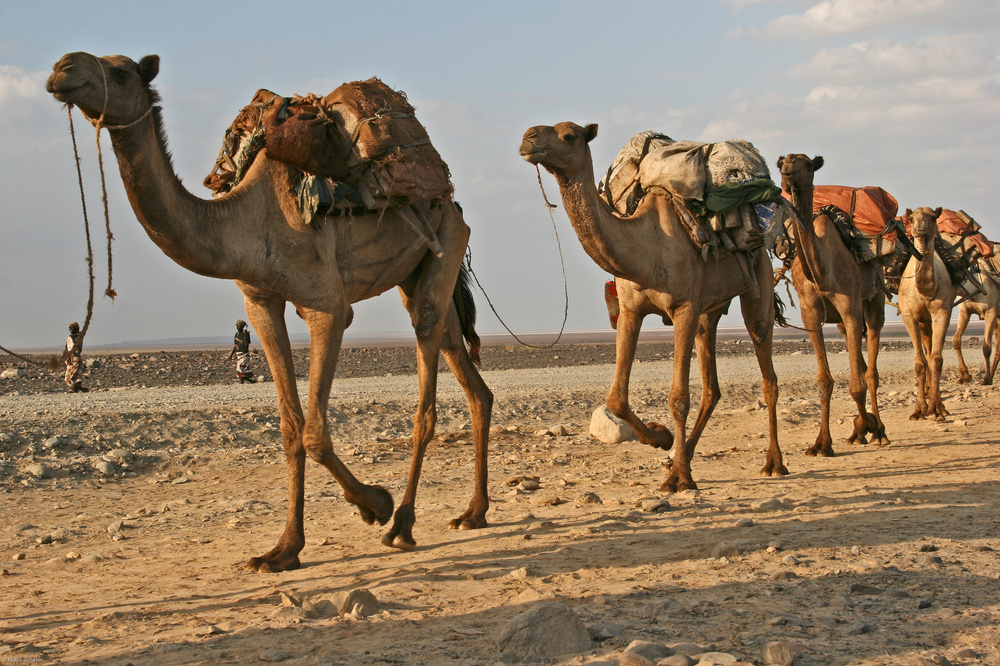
(988, 333)
(939, 331)
(864, 422)
(305, 434)
(875, 319)
(913, 327)
(267, 318)
(995, 340)
(707, 363)
(480, 400)
(626, 339)
(813, 323)
(758, 315)
(429, 302)
(956, 342)
(686, 324)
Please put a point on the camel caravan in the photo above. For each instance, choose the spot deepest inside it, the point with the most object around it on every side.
(322, 202)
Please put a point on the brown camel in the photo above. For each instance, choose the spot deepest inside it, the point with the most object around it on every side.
(926, 298)
(834, 288)
(255, 236)
(659, 271)
(986, 306)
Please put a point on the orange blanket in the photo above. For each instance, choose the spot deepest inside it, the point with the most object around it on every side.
(950, 223)
(873, 206)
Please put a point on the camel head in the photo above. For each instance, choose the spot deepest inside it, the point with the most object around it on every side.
(114, 87)
(562, 147)
(797, 171)
(923, 222)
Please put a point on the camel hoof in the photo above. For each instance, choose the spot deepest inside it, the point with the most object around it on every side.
(780, 470)
(380, 510)
(821, 451)
(661, 437)
(675, 486)
(881, 441)
(917, 416)
(273, 565)
(398, 541)
(462, 523)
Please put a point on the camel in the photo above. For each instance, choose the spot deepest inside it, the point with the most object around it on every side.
(986, 305)
(926, 298)
(659, 271)
(255, 236)
(834, 288)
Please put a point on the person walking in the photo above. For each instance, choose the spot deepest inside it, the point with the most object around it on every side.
(74, 360)
(241, 350)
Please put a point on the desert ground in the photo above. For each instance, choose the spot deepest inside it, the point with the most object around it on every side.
(126, 515)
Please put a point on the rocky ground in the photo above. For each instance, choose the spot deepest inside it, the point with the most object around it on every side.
(128, 512)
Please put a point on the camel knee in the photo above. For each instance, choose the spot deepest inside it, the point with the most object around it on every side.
(426, 319)
(824, 385)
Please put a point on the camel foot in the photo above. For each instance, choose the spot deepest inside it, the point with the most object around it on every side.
(987, 381)
(659, 436)
(917, 416)
(273, 563)
(399, 541)
(881, 441)
(964, 378)
(401, 534)
(676, 485)
(471, 523)
(376, 506)
(822, 449)
(774, 469)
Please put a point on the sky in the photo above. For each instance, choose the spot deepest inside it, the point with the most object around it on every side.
(903, 94)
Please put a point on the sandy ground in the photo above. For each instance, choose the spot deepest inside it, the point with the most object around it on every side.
(130, 550)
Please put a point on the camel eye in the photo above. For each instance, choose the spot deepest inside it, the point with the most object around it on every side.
(119, 76)
(570, 138)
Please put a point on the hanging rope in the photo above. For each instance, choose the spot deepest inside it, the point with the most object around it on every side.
(468, 262)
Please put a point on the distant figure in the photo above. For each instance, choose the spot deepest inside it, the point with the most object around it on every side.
(241, 350)
(74, 360)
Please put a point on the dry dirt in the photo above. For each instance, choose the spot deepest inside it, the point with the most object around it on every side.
(895, 552)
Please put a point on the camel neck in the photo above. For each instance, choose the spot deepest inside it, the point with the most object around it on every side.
(610, 240)
(189, 230)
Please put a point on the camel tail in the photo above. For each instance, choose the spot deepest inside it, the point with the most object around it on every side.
(779, 311)
(466, 307)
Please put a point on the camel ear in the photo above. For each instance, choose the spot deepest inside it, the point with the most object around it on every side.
(817, 162)
(937, 213)
(149, 67)
(909, 212)
(589, 132)
(781, 160)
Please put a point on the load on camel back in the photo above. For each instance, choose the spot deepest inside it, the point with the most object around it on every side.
(722, 192)
(865, 218)
(966, 252)
(359, 148)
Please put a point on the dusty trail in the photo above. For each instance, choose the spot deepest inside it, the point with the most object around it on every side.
(141, 565)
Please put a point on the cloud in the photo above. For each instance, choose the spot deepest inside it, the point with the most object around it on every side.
(841, 17)
(16, 84)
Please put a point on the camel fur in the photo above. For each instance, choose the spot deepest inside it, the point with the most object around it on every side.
(658, 270)
(255, 236)
(834, 288)
(926, 298)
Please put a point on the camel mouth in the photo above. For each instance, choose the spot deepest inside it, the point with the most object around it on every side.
(532, 153)
(63, 89)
